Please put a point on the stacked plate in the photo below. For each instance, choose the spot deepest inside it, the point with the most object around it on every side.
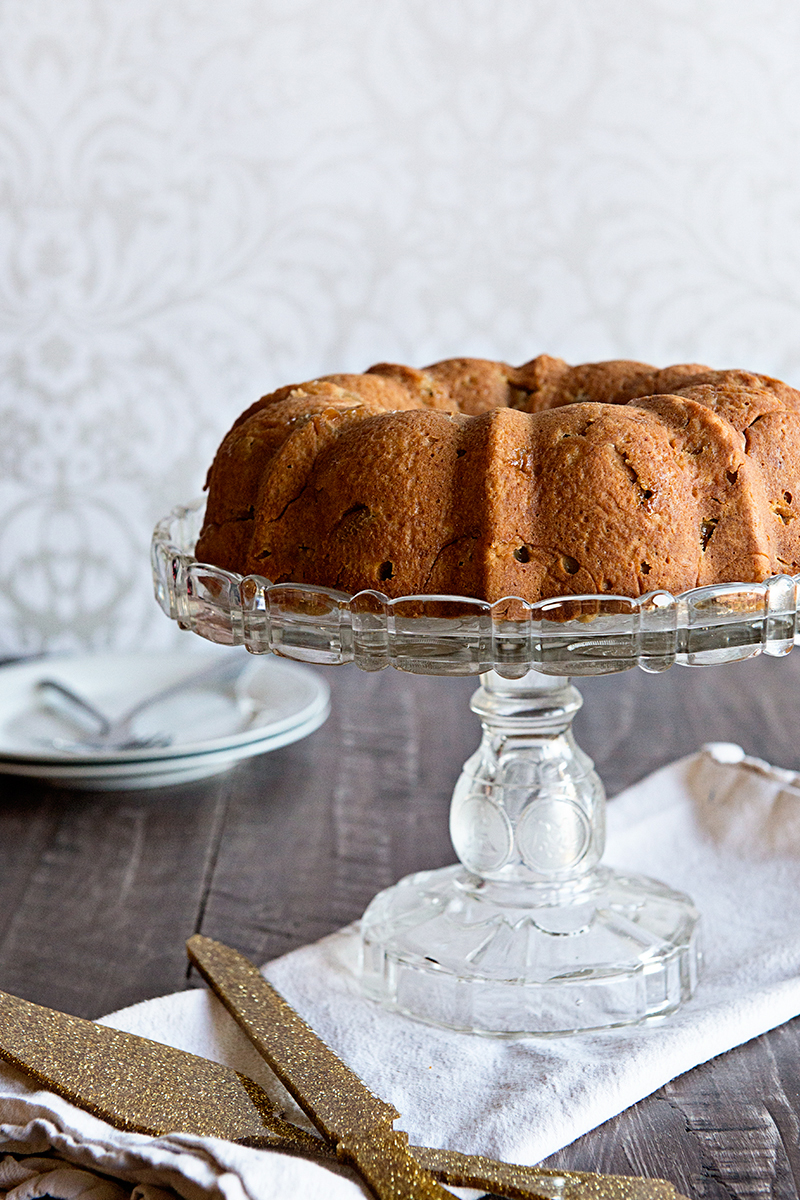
(210, 719)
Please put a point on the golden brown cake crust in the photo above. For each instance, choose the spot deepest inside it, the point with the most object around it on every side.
(477, 478)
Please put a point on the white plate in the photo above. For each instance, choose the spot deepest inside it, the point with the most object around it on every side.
(106, 777)
(269, 696)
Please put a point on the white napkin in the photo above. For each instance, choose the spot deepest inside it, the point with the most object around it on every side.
(723, 827)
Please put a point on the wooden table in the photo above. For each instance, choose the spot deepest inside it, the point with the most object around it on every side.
(98, 892)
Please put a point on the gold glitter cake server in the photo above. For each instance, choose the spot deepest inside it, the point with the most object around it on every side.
(140, 1085)
(347, 1113)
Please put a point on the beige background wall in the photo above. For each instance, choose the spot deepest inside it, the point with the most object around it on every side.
(202, 200)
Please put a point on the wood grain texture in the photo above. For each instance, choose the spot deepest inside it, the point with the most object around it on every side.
(99, 891)
(108, 889)
(318, 829)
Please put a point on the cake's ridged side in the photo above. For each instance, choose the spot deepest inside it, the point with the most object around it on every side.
(375, 510)
(608, 486)
(724, 509)
(773, 445)
(242, 480)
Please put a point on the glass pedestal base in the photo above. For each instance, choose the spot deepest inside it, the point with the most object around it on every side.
(531, 934)
(452, 949)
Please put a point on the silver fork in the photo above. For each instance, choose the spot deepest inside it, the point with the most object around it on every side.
(117, 734)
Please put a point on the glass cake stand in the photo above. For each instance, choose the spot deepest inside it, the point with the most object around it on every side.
(530, 933)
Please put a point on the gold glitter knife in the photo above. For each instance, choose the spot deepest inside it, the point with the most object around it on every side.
(139, 1085)
(357, 1122)
(147, 1087)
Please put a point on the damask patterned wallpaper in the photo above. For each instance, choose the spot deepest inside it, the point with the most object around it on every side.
(200, 201)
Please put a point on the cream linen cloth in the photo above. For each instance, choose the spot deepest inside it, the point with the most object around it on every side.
(723, 827)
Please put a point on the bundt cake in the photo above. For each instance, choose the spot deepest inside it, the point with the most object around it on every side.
(479, 479)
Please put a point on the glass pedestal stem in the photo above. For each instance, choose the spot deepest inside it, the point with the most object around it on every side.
(530, 934)
(529, 807)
